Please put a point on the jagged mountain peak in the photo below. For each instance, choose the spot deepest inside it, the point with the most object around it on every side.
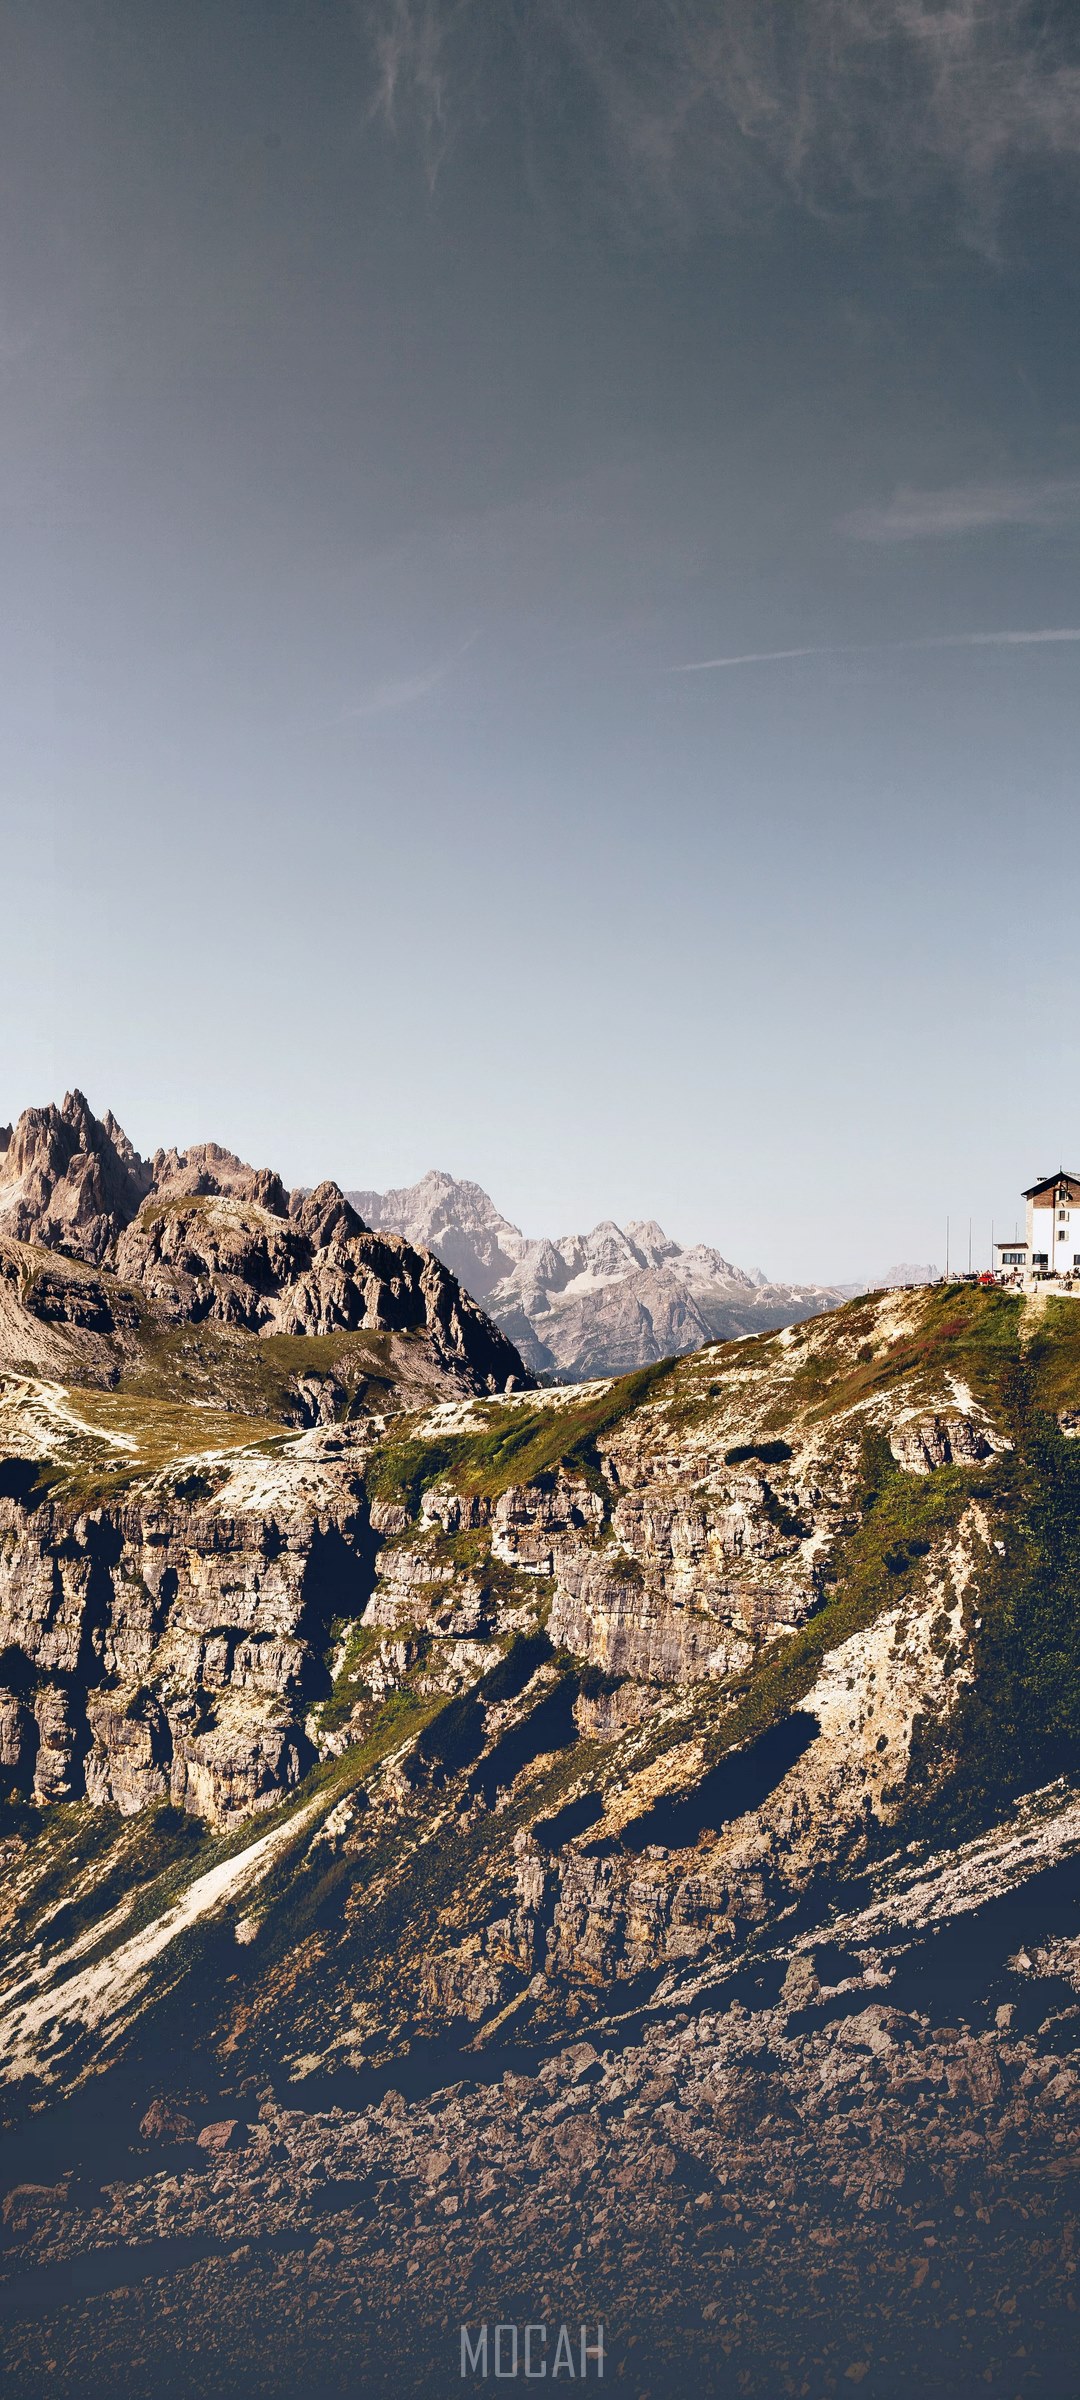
(596, 1303)
(75, 1182)
(209, 1169)
(69, 1179)
(650, 1238)
(208, 1240)
(326, 1216)
(456, 1218)
(438, 1192)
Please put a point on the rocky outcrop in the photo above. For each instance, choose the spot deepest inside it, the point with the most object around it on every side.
(208, 1171)
(170, 1650)
(668, 1568)
(207, 1237)
(920, 1443)
(60, 1317)
(679, 1821)
(316, 1271)
(74, 1182)
(69, 1180)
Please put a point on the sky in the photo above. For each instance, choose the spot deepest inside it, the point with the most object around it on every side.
(540, 600)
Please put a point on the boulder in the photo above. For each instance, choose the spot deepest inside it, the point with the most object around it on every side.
(166, 2121)
(226, 2133)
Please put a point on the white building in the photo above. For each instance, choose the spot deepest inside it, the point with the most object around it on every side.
(1052, 1242)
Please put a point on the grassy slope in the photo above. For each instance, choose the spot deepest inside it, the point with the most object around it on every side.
(517, 1444)
(1020, 1722)
(255, 1374)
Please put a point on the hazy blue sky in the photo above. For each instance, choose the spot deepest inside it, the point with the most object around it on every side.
(396, 400)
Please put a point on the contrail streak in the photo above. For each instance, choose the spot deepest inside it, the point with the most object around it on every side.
(929, 641)
(401, 690)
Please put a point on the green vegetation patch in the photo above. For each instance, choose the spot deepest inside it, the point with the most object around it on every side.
(255, 1375)
(113, 1440)
(703, 1381)
(517, 1444)
(161, 1430)
(350, 1684)
(1052, 1354)
(1018, 1723)
(954, 1328)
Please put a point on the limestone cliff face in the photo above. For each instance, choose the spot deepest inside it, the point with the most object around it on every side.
(672, 1583)
(169, 1647)
(676, 1550)
(695, 1867)
(666, 1849)
(173, 1554)
(184, 1593)
(724, 1719)
(571, 1600)
(697, 1535)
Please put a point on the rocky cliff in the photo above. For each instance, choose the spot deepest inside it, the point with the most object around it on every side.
(74, 1182)
(600, 1303)
(185, 1585)
(681, 1769)
(171, 1561)
(69, 1180)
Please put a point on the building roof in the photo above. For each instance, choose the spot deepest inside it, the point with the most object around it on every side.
(1064, 1175)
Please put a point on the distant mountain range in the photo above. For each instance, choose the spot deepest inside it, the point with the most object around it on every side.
(598, 1303)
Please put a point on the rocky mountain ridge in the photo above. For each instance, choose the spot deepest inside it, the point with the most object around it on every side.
(193, 1237)
(600, 1303)
(75, 1183)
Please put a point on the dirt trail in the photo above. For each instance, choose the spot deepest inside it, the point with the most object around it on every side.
(1031, 1315)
